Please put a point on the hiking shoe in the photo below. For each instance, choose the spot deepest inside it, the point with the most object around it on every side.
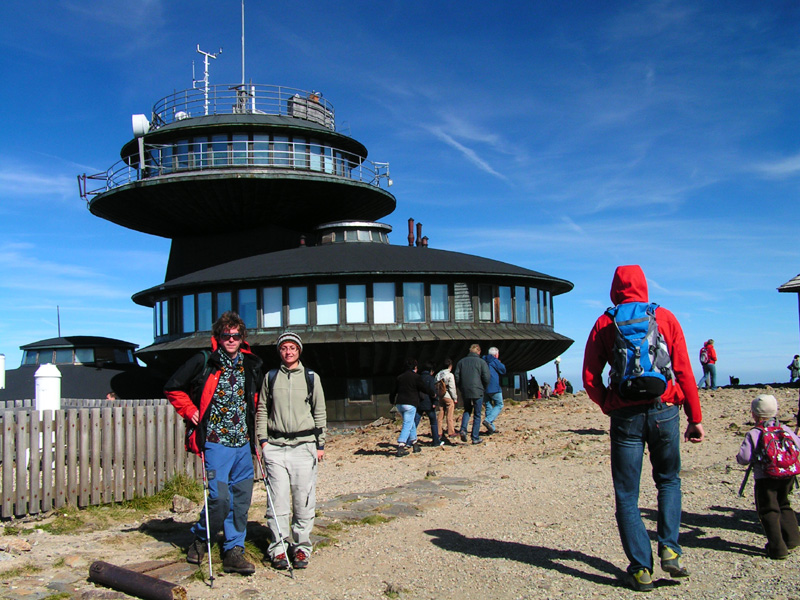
(671, 563)
(300, 560)
(402, 450)
(641, 581)
(441, 443)
(489, 427)
(235, 562)
(279, 562)
(478, 441)
(775, 555)
(196, 552)
(416, 447)
(463, 437)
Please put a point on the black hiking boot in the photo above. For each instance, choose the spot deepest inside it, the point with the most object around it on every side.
(196, 552)
(235, 562)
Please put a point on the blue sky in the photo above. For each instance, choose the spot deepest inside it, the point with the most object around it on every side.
(565, 137)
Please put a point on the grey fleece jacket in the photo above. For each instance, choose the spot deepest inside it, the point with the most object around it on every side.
(287, 419)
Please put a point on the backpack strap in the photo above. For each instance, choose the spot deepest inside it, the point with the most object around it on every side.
(273, 375)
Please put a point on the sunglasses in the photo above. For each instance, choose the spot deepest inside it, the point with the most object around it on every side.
(230, 336)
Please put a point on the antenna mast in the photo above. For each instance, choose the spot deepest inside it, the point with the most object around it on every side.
(206, 56)
(58, 317)
(242, 44)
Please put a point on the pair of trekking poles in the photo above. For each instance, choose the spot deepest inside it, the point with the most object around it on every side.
(271, 504)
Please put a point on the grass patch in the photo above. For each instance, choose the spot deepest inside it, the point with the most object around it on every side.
(10, 530)
(375, 520)
(27, 569)
(58, 596)
(59, 563)
(392, 591)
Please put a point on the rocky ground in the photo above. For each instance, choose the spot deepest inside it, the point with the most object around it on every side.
(527, 514)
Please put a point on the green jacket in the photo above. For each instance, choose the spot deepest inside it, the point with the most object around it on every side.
(287, 418)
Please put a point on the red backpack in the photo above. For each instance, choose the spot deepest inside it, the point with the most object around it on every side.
(777, 451)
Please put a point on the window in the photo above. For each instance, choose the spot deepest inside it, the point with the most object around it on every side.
(440, 305)
(542, 307)
(413, 303)
(517, 385)
(223, 303)
(239, 145)
(298, 306)
(504, 297)
(534, 305)
(84, 355)
(200, 152)
(182, 153)
(281, 155)
(300, 155)
(383, 302)
(30, 357)
(356, 304)
(359, 391)
(204, 320)
(164, 317)
(547, 307)
(188, 314)
(363, 235)
(521, 312)
(463, 302)
(260, 149)
(485, 303)
(272, 311)
(219, 150)
(248, 310)
(64, 356)
(122, 356)
(328, 304)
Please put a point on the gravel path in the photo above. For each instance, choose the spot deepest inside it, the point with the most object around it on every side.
(527, 514)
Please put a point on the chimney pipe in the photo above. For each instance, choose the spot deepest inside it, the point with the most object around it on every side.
(425, 242)
(411, 232)
(419, 234)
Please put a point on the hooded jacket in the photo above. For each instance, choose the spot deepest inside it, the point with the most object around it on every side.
(192, 387)
(712, 354)
(630, 285)
(496, 368)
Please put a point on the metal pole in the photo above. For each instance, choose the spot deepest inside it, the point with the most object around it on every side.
(274, 514)
(208, 527)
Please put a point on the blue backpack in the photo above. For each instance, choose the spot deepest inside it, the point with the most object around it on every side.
(641, 364)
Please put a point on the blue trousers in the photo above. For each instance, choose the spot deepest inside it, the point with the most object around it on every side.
(230, 490)
(477, 404)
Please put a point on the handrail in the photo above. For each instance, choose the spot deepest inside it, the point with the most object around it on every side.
(255, 155)
(243, 99)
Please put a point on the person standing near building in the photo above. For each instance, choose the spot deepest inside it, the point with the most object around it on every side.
(794, 368)
(447, 402)
(654, 422)
(405, 397)
(472, 377)
(217, 394)
(290, 425)
(429, 403)
(493, 396)
(708, 358)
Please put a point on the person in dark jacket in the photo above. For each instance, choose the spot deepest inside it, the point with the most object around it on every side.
(472, 377)
(217, 395)
(429, 403)
(654, 422)
(405, 397)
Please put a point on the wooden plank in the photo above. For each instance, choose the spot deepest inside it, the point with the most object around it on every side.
(150, 486)
(161, 446)
(106, 454)
(84, 441)
(119, 452)
(60, 492)
(73, 424)
(47, 460)
(34, 464)
(169, 417)
(139, 452)
(129, 468)
(22, 441)
(95, 453)
(7, 503)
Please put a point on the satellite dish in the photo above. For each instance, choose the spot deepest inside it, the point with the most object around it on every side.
(180, 115)
(140, 125)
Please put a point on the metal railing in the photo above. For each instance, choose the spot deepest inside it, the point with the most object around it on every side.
(243, 99)
(254, 155)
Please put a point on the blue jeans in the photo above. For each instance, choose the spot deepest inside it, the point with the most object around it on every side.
(476, 418)
(408, 434)
(434, 423)
(494, 404)
(709, 376)
(658, 426)
(230, 488)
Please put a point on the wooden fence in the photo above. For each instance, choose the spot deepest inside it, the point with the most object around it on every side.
(88, 456)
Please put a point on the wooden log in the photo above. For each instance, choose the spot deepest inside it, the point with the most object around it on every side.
(133, 583)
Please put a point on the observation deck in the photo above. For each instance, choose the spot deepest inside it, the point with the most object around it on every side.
(257, 154)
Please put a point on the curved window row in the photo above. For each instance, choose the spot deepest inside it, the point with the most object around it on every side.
(78, 356)
(358, 303)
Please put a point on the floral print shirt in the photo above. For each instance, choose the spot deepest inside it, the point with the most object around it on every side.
(227, 421)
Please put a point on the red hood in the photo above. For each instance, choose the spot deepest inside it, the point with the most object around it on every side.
(629, 285)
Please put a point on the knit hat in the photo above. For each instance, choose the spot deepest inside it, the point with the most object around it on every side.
(764, 406)
(290, 336)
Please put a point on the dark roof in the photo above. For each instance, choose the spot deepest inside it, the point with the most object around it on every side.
(79, 341)
(793, 285)
(354, 258)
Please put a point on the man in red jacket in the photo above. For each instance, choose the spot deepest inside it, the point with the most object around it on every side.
(651, 421)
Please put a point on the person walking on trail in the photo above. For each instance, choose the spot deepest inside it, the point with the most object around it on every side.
(794, 368)
(405, 397)
(429, 403)
(653, 422)
(472, 376)
(493, 396)
(290, 425)
(447, 402)
(217, 394)
(772, 494)
(708, 359)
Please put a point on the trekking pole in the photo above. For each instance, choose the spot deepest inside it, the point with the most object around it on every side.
(208, 527)
(744, 481)
(274, 514)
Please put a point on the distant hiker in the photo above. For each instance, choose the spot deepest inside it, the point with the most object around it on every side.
(408, 387)
(448, 398)
(533, 388)
(493, 395)
(546, 390)
(568, 387)
(638, 418)
(217, 394)
(708, 359)
(429, 403)
(472, 378)
(290, 424)
(794, 368)
(560, 388)
(771, 492)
